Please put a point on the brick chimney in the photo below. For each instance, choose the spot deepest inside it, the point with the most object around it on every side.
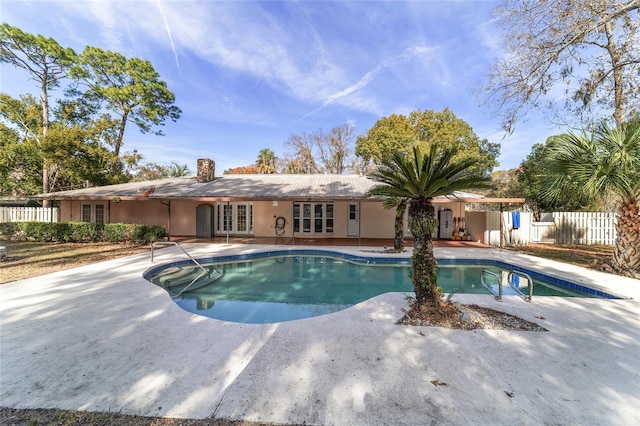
(206, 170)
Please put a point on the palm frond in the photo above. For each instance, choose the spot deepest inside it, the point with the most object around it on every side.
(426, 175)
(606, 161)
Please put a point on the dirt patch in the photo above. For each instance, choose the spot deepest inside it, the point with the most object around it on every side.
(591, 256)
(595, 257)
(465, 317)
(31, 417)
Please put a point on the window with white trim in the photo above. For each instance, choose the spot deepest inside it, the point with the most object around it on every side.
(313, 218)
(93, 212)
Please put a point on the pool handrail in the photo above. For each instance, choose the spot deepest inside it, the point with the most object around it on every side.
(174, 243)
(525, 297)
(497, 296)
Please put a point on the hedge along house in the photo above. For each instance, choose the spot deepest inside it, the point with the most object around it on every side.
(273, 205)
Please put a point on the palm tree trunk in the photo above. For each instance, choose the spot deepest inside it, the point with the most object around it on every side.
(626, 253)
(422, 222)
(398, 240)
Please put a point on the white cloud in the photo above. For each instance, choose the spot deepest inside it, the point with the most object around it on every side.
(257, 66)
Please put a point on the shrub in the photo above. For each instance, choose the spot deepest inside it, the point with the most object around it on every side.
(116, 232)
(145, 234)
(40, 231)
(11, 231)
(86, 232)
(155, 233)
(81, 232)
(61, 232)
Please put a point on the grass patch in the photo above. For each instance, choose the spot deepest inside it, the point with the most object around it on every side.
(31, 259)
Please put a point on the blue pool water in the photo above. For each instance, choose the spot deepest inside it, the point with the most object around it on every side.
(283, 286)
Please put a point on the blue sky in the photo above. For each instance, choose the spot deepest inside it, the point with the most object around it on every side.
(249, 74)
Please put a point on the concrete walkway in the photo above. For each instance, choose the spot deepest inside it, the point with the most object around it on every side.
(101, 338)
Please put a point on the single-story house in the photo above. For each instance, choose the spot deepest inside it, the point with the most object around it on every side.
(261, 205)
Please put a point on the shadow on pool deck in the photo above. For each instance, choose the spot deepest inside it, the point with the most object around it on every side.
(102, 338)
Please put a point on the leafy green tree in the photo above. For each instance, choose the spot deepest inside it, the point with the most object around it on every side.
(20, 166)
(533, 178)
(389, 135)
(130, 88)
(45, 61)
(73, 151)
(79, 127)
(419, 178)
(399, 135)
(152, 171)
(74, 159)
(21, 120)
(446, 129)
(266, 163)
(605, 163)
(92, 134)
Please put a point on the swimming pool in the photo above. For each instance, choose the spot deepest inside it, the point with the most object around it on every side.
(286, 285)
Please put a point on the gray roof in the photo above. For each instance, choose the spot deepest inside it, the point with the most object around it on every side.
(248, 187)
(238, 187)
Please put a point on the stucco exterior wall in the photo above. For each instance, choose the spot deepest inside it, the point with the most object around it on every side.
(183, 217)
(341, 219)
(375, 221)
(65, 211)
(477, 225)
(265, 214)
(148, 212)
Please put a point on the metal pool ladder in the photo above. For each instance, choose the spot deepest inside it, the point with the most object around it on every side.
(510, 276)
(173, 243)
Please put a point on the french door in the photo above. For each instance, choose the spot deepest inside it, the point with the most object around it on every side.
(234, 218)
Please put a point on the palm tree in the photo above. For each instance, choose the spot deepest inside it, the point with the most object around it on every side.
(400, 204)
(266, 163)
(178, 170)
(606, 164)
(419, 178)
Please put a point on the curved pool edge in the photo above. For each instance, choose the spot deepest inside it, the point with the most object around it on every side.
(372, 257)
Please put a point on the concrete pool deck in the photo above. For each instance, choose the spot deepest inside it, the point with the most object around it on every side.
(102, 338)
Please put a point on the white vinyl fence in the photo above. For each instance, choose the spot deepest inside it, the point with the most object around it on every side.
(576, 228)
(558, 227)
(28, 214)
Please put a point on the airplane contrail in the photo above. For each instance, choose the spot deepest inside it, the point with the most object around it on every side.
(366, 79)
(166, 25)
